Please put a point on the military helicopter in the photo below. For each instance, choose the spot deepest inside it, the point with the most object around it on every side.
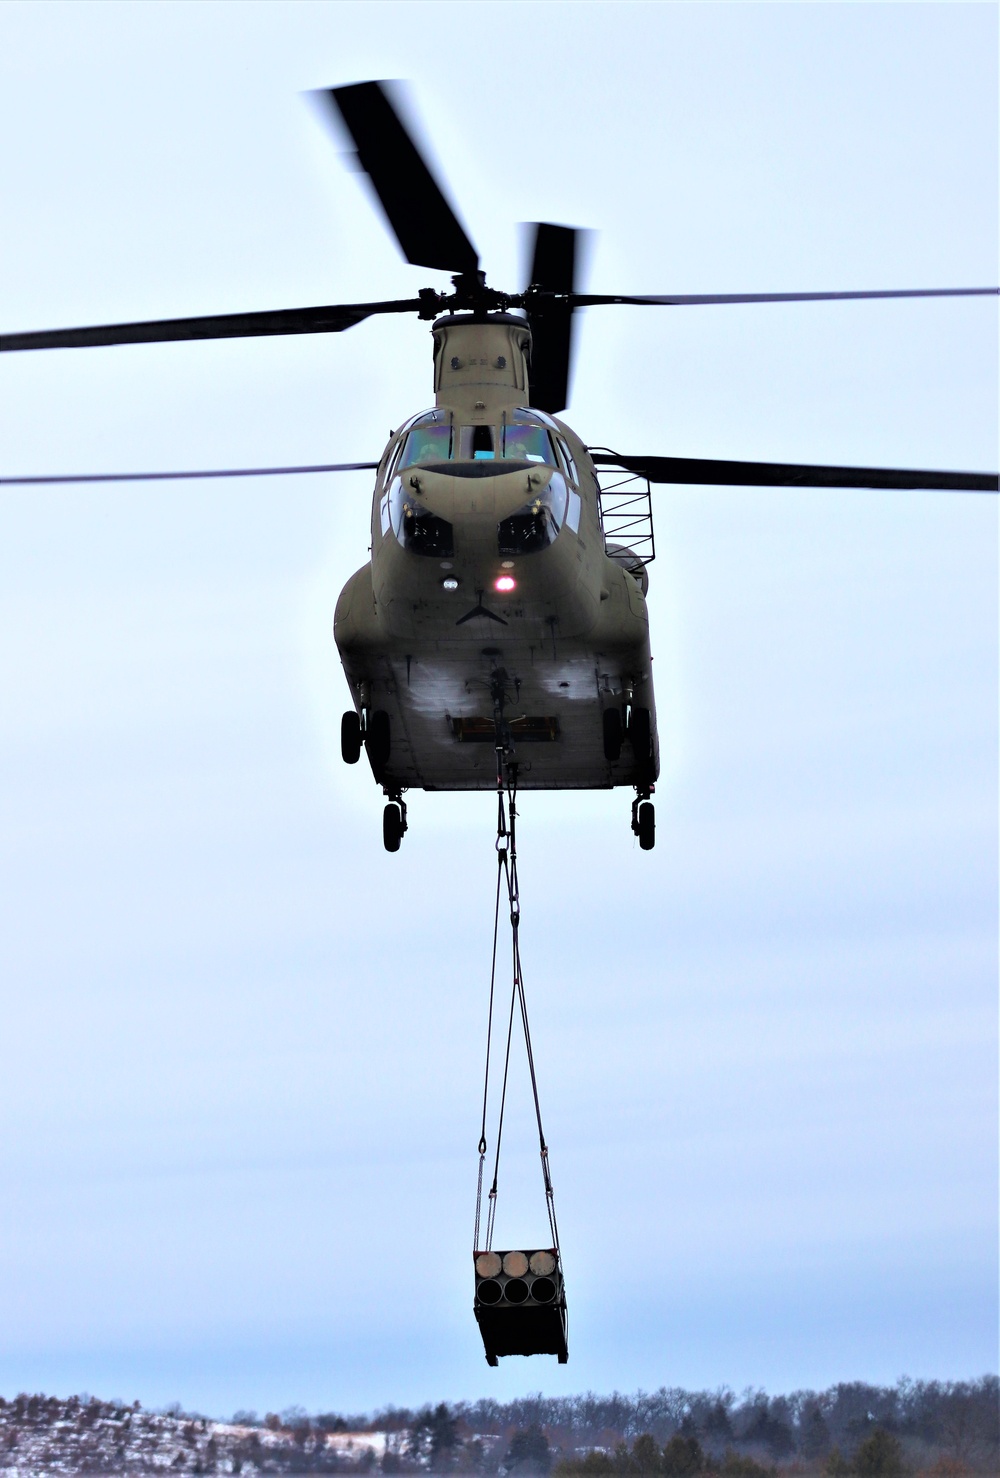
(499, 634)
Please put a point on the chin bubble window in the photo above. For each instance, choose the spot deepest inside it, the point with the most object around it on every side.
(537, 524)
(417, 529)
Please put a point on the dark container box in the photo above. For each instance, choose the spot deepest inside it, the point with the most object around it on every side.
(520, 1304)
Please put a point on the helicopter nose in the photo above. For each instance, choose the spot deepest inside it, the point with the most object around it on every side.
(451, 493)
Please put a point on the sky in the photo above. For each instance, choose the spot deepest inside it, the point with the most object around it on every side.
(243, 1046)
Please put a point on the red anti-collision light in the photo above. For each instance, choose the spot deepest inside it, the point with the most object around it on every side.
(504, 582)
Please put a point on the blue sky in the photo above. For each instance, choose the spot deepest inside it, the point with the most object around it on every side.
(243, 1045)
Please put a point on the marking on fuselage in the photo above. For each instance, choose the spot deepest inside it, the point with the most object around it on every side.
(480, 610)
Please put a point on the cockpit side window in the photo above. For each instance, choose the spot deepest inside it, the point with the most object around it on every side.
(393, 462)
(569, 465)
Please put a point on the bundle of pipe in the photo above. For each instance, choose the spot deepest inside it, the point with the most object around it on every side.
(520, 1304)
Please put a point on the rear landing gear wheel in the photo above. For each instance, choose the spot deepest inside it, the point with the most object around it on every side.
(613, 734)
(350, 738)
(647, 826)
(392, 827)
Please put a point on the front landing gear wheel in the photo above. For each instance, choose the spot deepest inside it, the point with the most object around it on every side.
(350, 738)
(647, 826)
(392, 827)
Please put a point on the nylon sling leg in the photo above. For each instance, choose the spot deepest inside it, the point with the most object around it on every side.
(506, 846)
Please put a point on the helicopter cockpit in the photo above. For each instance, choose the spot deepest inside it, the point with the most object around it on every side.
(522, 440)
(523, 436)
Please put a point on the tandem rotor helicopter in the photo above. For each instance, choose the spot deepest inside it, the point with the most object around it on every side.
(500, 620)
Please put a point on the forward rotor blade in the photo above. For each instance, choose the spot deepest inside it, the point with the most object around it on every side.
(590, 300)
(793, 474)
(175, 476)
(553, 268)
(328, 320)
(424, 224)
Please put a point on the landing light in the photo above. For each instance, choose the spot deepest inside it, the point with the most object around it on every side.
(449, 583)
(505, 582)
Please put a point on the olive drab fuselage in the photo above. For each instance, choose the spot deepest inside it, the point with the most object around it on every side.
(489, 589)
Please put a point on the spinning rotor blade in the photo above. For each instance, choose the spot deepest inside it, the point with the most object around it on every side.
(176, 476)
(553, 267)
(589, 300)
(330, 320)
(424, 224)
(793, 475)
(690, 470)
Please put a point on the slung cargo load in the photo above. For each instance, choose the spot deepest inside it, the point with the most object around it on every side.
(520, 1304)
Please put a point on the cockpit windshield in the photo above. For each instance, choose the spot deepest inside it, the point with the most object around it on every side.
(428, 441)
(522, 436)
(528, 444)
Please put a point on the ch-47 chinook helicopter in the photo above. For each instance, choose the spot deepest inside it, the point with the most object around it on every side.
(497, 619)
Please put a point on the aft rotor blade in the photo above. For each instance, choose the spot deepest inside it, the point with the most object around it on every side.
(553, 268)
(793, 474)
(175, 476)
(590, 300)
(328, 320)
(427, 229)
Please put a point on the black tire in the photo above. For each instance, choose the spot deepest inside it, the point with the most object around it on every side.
(647, 826)
(640, 732)
(350, 738)
(378, 742)
(392, 827)
(613, 734)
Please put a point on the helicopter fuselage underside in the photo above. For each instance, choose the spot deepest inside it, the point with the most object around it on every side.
(557, 658)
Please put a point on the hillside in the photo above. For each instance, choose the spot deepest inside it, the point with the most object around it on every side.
(943, 1429)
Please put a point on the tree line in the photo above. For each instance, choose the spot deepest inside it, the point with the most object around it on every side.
(851, 1430)
(959, 1419)
(912, 1423)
